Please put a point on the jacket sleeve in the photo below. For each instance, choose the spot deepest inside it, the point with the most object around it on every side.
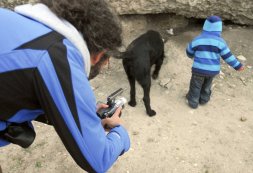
(189, 50)
(229, 58)
(3, 126)
(68, 100)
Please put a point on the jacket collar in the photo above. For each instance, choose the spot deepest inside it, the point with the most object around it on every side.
(43, 14)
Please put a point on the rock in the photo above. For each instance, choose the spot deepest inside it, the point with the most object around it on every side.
(243, 118)
(191, 112)
(150, 140)
(222, 77)
(249, 67)
(170, 31)
(165, 83)
(12, 3)
(213, 86)
(221, 73)
(135, 133)
(242, 58)
(231, 85)
(227, 9)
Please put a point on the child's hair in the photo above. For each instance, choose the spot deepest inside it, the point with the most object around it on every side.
(99, 25)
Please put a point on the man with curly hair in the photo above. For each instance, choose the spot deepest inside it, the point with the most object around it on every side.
(47, 53)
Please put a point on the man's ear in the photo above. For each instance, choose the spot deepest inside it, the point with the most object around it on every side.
(96, 57)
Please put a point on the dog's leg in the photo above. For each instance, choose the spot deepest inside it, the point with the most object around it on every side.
(131, 80)
(146, 98)
(132, 101)
(158, 66)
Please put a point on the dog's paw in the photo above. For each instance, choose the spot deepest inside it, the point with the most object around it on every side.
(132, 103)
(151, 113)
(155, 76)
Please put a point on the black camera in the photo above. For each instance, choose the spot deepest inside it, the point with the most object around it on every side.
(113, 104)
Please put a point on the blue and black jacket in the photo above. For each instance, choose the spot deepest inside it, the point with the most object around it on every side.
(208, 47)
(42, 77)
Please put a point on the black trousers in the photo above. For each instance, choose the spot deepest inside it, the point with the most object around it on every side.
(200, 90)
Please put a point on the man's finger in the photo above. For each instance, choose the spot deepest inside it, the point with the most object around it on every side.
(99, 106)
(117, 112)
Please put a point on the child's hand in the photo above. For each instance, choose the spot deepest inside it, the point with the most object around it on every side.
(241, 68)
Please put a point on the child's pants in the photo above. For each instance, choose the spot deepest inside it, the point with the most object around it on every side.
(200, 90)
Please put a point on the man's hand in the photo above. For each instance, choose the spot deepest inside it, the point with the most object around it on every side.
(101, 105)
(113, 121)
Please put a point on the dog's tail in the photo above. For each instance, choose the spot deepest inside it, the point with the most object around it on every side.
(119, 55)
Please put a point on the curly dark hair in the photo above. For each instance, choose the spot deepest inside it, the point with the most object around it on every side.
(97, 22)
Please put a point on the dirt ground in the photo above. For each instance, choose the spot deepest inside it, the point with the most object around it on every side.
(215, 138)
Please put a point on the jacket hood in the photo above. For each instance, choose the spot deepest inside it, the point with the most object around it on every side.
(43, 14)
(213, 24)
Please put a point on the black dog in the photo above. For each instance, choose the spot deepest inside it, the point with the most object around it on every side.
(140, 55)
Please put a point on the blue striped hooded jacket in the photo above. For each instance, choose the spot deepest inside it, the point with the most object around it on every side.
(42, 74)
(208, 47)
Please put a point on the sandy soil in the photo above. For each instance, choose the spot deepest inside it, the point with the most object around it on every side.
(215, 138)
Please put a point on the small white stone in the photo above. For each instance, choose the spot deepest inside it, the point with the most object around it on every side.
(170, 31)
(191, 112)
(242, 58)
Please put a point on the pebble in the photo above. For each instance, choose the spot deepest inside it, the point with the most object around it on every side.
(213, 86)
(249, 67)
(165, 83)
(194, 123)
(242, 58)
(243, 119)
(170, 31)
(191, 112)
(135, 133)
(231, 85)
(131, 149)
